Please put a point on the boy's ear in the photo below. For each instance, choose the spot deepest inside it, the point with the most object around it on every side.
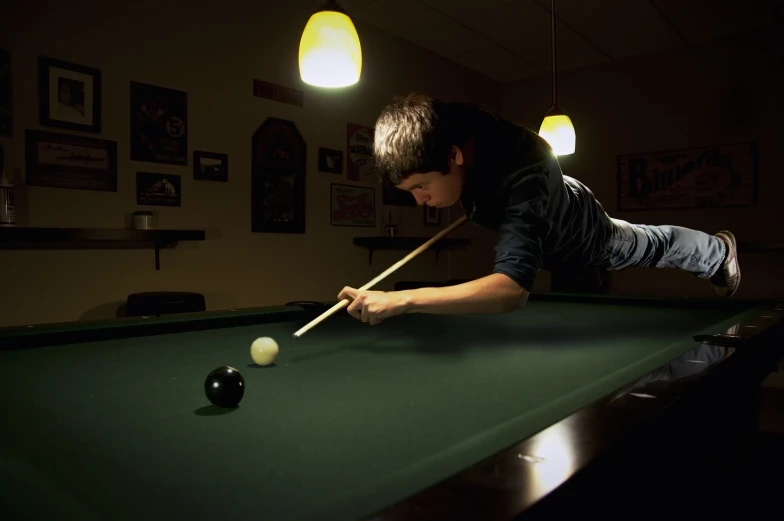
(456, 155)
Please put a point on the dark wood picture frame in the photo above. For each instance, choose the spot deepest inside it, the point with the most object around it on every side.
(710, 176)
(278, 170)
(431, 216)
(57, 160)
(330, 160)
(157, 189)
(75, 102)
(159, 124)
(215, 169)
(353, 209)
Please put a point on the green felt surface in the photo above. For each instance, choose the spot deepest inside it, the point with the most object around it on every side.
(351, 419)
(131, 322)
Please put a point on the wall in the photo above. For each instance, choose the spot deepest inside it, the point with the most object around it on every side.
(213, 54)
(720, 92)
(725, 91)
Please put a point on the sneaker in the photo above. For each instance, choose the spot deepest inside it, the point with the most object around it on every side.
(726, 280)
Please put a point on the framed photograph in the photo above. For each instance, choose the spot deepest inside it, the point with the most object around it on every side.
(353, 206)
(432, 216)
(68, 161)
(330, 161)
(359, 146)
(719, 176)
(153, 189)
(279, 168)
(210, 166)
(69, 95)
(159, 124)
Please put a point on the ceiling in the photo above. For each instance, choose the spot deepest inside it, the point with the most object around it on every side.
(509, 40)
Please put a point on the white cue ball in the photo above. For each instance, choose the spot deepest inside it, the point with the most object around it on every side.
(264, 350)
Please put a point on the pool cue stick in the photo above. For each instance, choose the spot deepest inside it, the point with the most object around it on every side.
(343, 303)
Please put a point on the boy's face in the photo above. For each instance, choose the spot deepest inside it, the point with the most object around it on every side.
(435, 188)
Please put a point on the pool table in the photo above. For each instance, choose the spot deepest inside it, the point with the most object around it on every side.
(421, 417)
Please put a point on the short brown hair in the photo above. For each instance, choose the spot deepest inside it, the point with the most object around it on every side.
(415, 134)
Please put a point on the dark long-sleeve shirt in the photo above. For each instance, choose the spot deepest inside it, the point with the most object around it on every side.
(515, 186)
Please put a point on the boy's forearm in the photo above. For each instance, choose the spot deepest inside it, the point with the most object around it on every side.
(494, 293)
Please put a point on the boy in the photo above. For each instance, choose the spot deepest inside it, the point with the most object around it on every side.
(507, 178)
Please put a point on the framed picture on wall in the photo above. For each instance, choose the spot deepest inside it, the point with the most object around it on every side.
(352, 206)
(159, 124)
(210, 166)
(69, 95)
(57, 160)
(432, 216)
(156, 189)
(716, 176)
(359, 147)
(278, 172)
(330, 160)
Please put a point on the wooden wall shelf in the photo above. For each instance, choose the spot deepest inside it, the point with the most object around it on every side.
(27, 237)
(407, 244)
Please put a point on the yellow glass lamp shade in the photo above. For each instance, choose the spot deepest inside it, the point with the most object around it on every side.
(329, 52)
(558, 131)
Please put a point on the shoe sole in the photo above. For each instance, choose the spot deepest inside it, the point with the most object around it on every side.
(731, 238)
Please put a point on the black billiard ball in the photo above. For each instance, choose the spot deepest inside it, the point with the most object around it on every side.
(224, 386)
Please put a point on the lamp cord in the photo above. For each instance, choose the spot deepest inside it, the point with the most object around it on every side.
(555, 68)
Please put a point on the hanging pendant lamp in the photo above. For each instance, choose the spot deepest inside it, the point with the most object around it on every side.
(557, 128)
(330, 54)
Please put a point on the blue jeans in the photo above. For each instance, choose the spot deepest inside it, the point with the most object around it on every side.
(642, 245)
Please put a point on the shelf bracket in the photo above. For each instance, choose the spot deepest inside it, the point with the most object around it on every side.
(159, 245)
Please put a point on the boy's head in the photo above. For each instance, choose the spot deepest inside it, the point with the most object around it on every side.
(420, 146)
